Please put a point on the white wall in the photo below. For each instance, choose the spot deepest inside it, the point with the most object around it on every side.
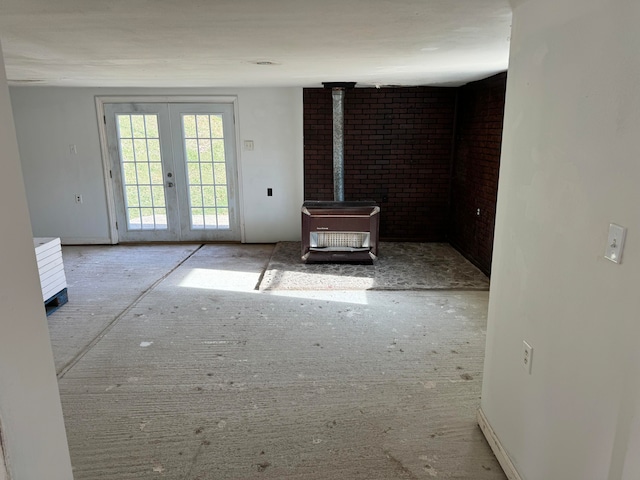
(50, 119)
(570, 166)
(30, 412)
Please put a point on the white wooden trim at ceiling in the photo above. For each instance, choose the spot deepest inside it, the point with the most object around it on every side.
(104, 149)
(496, 446)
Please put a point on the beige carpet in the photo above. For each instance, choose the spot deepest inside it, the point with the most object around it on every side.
(400, 266)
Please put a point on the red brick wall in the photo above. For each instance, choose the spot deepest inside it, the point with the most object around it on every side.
(401, 150)
(476, 162)
(398, 150)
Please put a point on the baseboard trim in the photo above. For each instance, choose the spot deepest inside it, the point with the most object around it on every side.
(85, 241)
(495, 444)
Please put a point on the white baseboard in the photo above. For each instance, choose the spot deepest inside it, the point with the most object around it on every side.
(85, 241)
(495, 444)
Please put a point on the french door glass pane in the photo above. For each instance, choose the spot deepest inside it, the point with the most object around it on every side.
(142, 174)
(203, 138)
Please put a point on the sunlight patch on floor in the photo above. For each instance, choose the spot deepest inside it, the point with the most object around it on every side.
(357, 297)
(213, 279)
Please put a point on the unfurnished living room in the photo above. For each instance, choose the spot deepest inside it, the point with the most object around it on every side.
(319, 240)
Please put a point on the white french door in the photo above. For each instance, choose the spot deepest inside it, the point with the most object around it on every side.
(174, 173)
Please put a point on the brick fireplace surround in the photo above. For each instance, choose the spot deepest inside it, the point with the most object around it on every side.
(428, 155)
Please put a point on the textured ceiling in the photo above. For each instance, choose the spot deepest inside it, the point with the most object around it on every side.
(215, 43)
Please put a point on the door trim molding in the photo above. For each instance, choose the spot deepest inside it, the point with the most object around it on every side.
(101, 100)
(4, 471)
(106, 169)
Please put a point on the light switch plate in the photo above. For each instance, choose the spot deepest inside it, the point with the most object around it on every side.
(248, 145)
(527, 356)
(615, 243)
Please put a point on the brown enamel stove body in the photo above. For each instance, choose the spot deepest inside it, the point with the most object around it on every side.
(340, 232)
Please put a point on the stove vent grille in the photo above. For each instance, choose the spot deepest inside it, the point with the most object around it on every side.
(340, 240)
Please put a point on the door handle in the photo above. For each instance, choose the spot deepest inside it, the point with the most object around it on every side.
(169, 184)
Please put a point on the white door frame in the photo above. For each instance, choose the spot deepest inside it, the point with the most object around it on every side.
(4, 473)
(104, 148)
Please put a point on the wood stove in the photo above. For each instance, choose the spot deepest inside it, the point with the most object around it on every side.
(339, 231)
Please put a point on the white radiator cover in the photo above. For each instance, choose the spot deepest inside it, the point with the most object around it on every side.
(50, 266)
